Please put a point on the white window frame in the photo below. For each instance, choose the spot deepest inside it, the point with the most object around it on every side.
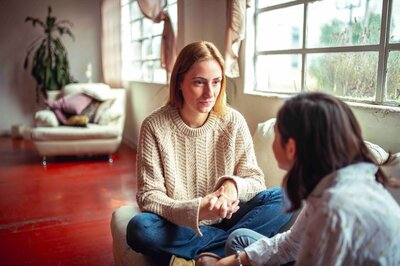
(383, 48)
(128, 62)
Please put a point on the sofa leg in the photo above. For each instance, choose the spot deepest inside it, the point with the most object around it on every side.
(110, 159)
(44, 160)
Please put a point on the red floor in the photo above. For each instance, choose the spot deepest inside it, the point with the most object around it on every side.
(60, 214)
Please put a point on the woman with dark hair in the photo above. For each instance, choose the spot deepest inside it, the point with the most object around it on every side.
(198, 178)
(348, 218)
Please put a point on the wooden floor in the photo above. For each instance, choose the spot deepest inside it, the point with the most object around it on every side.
(60, 214)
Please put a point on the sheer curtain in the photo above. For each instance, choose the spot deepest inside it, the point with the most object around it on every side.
(111, 42)
(157, 12)
(235, 33)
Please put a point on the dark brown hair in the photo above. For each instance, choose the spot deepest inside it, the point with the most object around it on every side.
(191, 54)
(328, 137)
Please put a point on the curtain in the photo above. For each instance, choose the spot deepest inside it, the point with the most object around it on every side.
(111, 42)
(235, 32)
(157, 12)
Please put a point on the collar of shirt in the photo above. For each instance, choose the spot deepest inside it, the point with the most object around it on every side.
(358, 172)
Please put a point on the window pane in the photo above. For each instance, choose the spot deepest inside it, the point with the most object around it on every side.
(136, 30)
(135, 48)
(125, 35)
(160, 75)
(135, 11)
(147, 27)
(136, 73)
(279, 73)
(125, 19)
(147, 71)
(141, 43)
(156, 47)
(350, 75)
(131, 70)
(146, 49)
(343, 22)
(280, 29)
(265, 3)
(124, 2)
(393, 77)
(157, 28)
(395, 23)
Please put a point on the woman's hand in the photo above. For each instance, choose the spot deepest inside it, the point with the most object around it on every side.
(233, 261)
(218, 205)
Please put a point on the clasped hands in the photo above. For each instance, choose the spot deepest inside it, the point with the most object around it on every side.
(222, 203)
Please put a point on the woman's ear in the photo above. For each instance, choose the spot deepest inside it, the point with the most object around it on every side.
(290, 148)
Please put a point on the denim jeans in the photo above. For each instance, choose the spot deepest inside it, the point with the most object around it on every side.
(240, 239)
(158, 238)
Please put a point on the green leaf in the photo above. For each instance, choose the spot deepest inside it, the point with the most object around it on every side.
(49, 64)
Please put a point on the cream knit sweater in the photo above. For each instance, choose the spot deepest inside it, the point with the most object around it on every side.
(178, 165)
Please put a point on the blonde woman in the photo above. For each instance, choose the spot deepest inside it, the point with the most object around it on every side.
(198, 179)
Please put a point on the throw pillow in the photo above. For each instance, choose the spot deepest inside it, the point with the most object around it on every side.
(69, 105)
(77, 121)
(46, 118)
(90, 110)
(102, 109)
(110, 116)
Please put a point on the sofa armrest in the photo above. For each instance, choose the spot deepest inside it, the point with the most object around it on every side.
(263, 139)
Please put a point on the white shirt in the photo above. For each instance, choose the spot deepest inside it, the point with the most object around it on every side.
(348, 219)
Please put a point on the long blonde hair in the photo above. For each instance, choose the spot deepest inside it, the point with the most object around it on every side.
(191, 54)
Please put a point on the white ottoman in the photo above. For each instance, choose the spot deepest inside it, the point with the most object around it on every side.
(123, 254)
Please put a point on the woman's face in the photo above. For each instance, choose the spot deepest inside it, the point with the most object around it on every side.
(200, 87)
(283, 155)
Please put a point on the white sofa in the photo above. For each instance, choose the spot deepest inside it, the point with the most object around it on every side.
(50, 138)
(263, 138)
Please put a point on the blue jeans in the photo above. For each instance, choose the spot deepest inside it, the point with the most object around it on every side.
(240, 239)
(158, 238)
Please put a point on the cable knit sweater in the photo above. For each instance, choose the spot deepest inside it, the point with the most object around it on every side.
(178, 165)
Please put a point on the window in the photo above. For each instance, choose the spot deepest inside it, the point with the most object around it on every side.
(349, 48)
(141, 43)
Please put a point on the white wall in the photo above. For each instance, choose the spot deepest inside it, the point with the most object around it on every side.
(17, 87)
(142, 99)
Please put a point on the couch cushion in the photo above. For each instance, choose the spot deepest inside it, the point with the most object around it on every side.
(92, 131)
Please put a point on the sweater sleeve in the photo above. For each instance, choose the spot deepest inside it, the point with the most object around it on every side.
(152, 193)
(248, 176)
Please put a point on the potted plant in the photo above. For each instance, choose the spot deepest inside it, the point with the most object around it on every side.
(50, 66)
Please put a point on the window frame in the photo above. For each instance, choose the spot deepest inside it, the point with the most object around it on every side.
(383, 49)
(144, 36)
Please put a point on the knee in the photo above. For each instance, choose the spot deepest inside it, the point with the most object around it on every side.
(136, 228)
(270, 195)
(237, 240)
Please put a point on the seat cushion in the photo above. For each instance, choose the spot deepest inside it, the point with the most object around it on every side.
(123, 254)
(91, 131)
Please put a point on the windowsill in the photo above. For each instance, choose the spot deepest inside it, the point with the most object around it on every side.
(358, 105)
